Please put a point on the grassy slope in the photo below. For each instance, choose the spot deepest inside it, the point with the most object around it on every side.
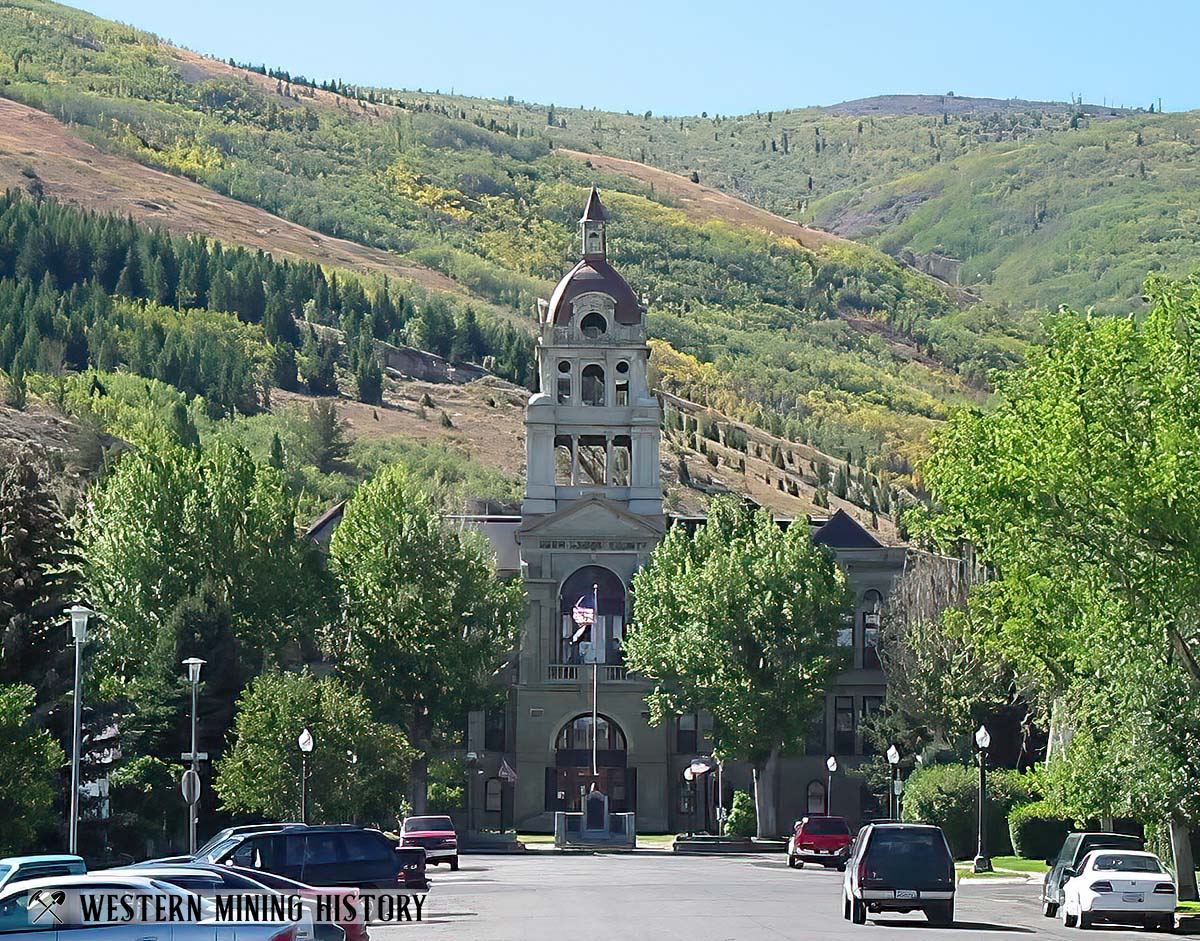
(495, 211)
(1041, 212)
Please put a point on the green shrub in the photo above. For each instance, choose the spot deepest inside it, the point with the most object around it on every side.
(742, 820)
(1037, 829)
(947, 795)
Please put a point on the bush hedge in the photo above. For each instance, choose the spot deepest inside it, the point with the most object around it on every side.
(742, 820)
(1037, 829)
(947, 795)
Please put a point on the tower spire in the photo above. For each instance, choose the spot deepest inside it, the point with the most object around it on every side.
(592, 227)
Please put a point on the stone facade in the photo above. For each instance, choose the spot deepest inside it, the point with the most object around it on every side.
(591, 516)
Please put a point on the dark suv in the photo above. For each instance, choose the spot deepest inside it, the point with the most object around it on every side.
(899, 867)
(333, 855)
(1074, 848)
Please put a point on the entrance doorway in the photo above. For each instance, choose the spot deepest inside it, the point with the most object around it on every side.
(572, 773)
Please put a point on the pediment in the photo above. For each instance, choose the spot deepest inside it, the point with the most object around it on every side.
(594, 516)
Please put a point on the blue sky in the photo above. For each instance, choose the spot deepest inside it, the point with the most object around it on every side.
(720, 57)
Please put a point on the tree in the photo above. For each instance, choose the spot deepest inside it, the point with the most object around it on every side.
(1082, 488)
(29, 763)
(425, 622)
(356, 771)
(163, 524)
(37, 580)
(323, 440)
(765, 605)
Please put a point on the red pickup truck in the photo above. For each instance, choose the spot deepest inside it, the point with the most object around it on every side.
(824, 840)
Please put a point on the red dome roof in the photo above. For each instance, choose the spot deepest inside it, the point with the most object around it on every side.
(593, 275)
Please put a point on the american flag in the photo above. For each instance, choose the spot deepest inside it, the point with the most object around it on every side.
(584, 614)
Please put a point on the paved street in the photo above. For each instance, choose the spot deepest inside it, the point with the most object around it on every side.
(661, 896)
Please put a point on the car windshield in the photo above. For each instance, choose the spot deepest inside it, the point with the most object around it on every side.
(219, 837)
(1119, 862)
(222, 848)
(427, 823)
(827, 826)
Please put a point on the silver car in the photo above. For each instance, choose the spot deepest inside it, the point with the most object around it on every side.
(50, 910)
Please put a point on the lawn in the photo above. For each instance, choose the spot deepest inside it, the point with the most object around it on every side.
(653, 840)
(1003, 866)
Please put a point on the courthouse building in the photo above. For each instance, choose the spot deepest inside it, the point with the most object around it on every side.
(591, 516)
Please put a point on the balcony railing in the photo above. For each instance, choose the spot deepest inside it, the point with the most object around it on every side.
(571, 672)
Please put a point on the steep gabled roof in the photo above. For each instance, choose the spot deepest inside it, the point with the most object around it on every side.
(594, 210)
(843, 531)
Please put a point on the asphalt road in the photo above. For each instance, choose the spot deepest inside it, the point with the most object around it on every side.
(658, 895)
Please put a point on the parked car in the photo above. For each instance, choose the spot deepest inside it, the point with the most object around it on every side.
(1120, 886)
(433, 834)
(355, 930)
(332, 855)
(1074, 848)
(22, 908)
(21, 868)
(899, 867)
(205, 879)
(221, 836)
(819, 839)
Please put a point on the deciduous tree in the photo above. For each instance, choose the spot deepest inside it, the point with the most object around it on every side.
(739, 620)
(425, 622)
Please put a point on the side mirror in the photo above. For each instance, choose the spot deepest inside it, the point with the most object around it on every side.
(1070, 874)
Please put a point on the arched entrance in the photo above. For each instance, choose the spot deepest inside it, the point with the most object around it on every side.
(573, 764)
(606, 634)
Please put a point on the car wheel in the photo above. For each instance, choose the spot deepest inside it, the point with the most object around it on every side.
(941, 915)
(858, 911)
(1085, 920)
(1049, 909)
(845, 906)
(841, 867)
(1068, 919)
(454, 864)
(792, 861)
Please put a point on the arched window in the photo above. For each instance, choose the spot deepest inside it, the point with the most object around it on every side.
(816, 797)
(593, 325)
(577, 734)
(591, 387)
(872, 606)
(564, 382)
(621, 388)
(606, 634)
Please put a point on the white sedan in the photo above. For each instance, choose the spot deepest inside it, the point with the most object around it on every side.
(1121, 886)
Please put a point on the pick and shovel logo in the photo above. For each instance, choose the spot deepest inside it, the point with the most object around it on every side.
(46, 907)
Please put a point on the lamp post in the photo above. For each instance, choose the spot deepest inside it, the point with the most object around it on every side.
(893, 757)
(305, 741)
(830, 767)
(193, 665)
(983, 741)
(79, 628)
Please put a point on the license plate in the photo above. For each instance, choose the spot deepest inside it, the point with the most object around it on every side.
(1132, 897)
(906, 893)
(823, 852)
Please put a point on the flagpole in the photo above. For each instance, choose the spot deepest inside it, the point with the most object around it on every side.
(595, 673)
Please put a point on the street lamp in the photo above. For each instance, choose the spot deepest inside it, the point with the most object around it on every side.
(831, 767)
(79, 628)
(893, 757)
(193, 665)
(305, 741)
(983, 741)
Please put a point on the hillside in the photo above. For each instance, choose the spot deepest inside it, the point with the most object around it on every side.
(833, 344)
(1037, 203)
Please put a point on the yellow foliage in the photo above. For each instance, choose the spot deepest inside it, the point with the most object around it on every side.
(408, 184)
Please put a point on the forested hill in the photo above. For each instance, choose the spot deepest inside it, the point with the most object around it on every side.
(835, 346)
